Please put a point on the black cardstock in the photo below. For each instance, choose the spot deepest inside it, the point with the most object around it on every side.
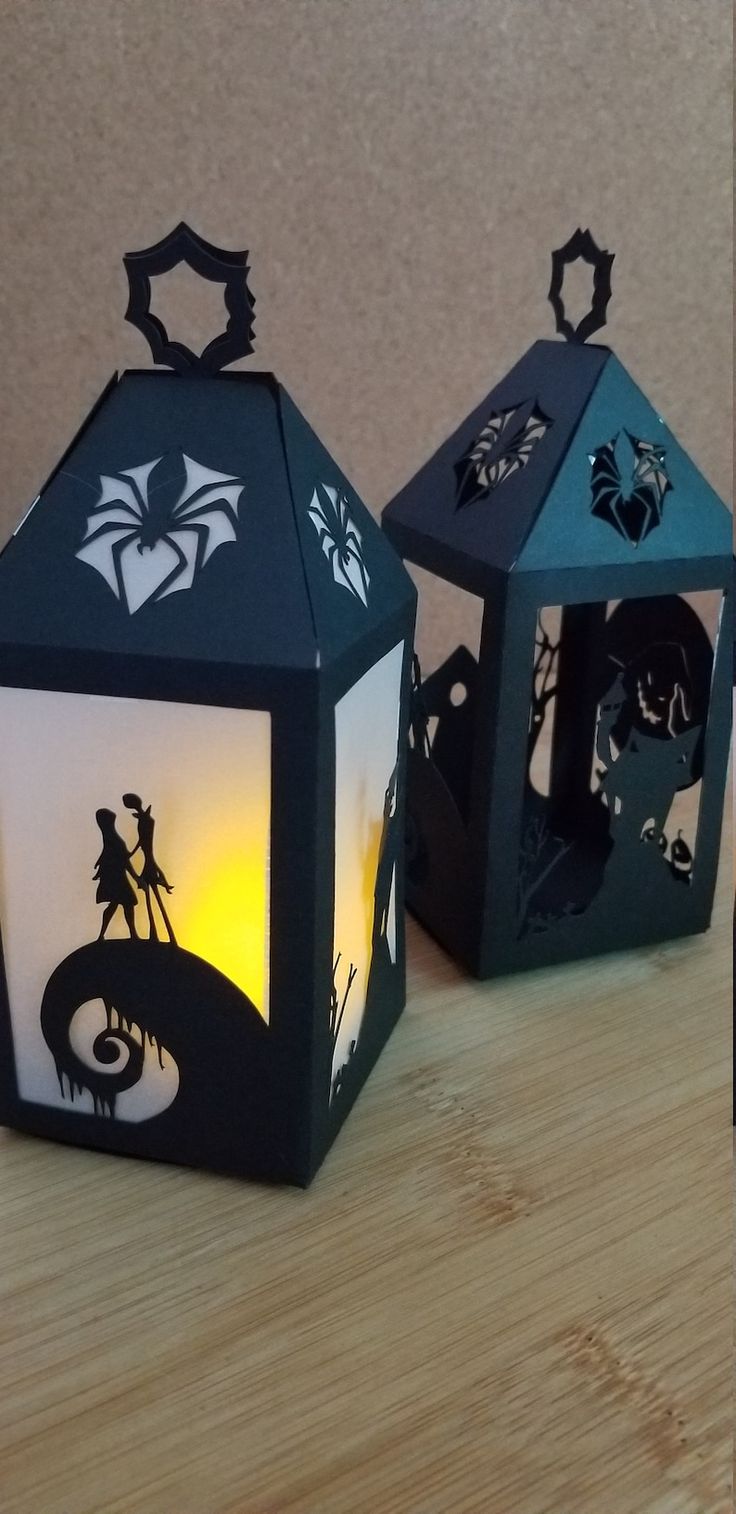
(568, 508)
(281, 613)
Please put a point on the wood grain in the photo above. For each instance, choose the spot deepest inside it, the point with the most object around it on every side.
(506, 1293)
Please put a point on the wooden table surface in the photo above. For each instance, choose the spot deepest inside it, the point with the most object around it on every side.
(506, 1293)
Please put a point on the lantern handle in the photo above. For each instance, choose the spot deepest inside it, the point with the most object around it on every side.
(182, 245)
(581, 245)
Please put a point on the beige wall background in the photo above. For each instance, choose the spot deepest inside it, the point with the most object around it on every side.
(399, 169)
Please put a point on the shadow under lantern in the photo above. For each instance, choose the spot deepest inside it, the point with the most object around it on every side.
(205, 650)
(565, 789)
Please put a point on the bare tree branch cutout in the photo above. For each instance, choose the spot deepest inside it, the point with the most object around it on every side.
(544, 686)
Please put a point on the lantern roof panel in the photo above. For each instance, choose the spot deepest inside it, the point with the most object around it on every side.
(196, 517)
(626, 492)
(468, 511)
(565, 465)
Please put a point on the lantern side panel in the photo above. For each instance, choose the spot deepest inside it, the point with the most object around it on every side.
(446, 693)
(167, 531)
(618, 728)
(134, 896)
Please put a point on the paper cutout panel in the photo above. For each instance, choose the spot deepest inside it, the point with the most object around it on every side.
(502, 449)
(581, 525)
(340, 539)
(134, 890)
(442, 713)
(628, 483)
(544, 697)
(154, 527)
(368, 842)
(580, 246)
(617, 724)
(184, 247)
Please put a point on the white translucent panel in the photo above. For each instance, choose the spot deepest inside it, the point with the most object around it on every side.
(366, 753)
(205, 773)
(205, 490)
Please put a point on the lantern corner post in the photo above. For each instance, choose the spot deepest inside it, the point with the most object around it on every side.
(298, 973)
(501, 764)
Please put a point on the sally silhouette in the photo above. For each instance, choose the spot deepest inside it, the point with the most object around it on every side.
(112, 873)
(151, 879)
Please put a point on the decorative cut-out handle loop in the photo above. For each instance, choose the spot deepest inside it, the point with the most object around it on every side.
(581, 245)
(182, 245)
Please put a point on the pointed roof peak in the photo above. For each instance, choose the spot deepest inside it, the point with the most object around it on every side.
(468, 511)
(200, 519)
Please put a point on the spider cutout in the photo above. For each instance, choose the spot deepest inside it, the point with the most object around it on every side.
(622, 463)
(503, 448)
(154, 527)
(340, 539)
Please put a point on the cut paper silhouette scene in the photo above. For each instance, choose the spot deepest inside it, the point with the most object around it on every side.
(150, 878)
(611, 841)
(113, 873)
(566, 797)
(218, 632)
(349, 1074)
(439, 768)
(160, 1001)
(628, 485)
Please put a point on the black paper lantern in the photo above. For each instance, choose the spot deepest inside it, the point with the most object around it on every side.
(572, 802)
(204, 677)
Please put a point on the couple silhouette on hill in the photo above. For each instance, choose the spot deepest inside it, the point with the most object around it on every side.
(114, 870)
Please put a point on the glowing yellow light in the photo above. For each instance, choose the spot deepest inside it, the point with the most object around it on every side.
(226, 918)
